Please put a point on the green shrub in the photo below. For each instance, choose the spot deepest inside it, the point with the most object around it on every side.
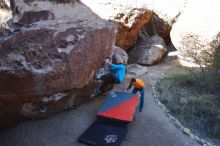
(194, 98)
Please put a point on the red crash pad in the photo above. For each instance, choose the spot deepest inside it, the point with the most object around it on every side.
(119, 106)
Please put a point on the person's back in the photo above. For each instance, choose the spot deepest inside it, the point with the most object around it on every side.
(138, 83)
(118, 70)
(116, 76)
(138, 86)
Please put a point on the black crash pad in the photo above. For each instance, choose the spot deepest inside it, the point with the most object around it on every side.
(104, 134)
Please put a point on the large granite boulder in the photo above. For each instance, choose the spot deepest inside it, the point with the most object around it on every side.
(165, 15)
(129, 16)
(5, 14)
(48, 64)
(129, 24)
(196, 34)
(148, 52)
(5, 4)
(152, 16)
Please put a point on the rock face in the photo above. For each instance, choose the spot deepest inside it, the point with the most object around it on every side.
(196, 34)
(148, 52)
(119, 56)
(165, 15)
(5, 4)
(5, 14)
(129, 16)
(49, 65)
(152, 16)
(129, 24)
(157, 25)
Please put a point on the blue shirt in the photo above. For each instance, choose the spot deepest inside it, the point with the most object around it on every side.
(118, 70)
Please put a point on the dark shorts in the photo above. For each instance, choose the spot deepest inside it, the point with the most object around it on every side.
(110, 78)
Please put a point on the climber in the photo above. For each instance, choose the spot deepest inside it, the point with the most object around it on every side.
(138, 86)
(116, 76)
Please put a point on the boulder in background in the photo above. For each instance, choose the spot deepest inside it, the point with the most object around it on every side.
(149, 51)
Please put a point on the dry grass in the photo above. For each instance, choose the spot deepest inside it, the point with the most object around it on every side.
(194, 98)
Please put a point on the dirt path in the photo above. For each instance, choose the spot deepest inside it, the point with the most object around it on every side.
(151, 127)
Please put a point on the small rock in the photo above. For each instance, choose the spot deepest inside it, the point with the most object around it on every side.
(181, 128)
(177, 123)
(164, 108)
(135, 70)
(197, 138)
(159, 103)
(167, 111)
(168, 115)
(187, 131)
(171, 118)
(203, 141)
(192, 136)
